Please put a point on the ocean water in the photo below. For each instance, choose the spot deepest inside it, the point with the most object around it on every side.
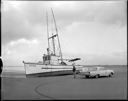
(13, 71)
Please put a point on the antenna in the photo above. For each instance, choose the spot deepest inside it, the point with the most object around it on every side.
(57, 35)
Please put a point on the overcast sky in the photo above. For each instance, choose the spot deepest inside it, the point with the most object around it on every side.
(95, 31)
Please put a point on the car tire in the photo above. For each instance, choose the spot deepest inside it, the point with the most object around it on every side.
(97, 76)
(110, 75)
(86, 76)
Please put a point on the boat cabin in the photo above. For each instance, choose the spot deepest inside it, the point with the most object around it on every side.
(52, 59)
(46, 59)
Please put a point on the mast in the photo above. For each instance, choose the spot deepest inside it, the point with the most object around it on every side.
(57, 35)
(47, 30)
(53, 45)
(48, 49)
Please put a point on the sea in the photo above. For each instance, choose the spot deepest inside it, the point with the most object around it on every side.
(13, 72)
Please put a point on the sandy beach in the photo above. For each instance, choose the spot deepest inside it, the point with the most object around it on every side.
(16, 87)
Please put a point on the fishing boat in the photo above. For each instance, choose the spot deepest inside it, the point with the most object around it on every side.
(53, 64)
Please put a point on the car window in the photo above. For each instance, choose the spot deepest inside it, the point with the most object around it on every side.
(101, 68)
(84, 69)
(92, 69)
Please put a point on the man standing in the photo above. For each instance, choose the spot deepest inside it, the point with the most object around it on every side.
(74, 70)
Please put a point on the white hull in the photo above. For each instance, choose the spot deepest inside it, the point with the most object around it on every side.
(39, 69)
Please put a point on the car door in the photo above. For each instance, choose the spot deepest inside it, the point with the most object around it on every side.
(102, 72)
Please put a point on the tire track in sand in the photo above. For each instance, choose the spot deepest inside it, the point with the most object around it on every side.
(48, 83)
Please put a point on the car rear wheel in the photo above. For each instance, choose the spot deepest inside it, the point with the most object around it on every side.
(86, 76)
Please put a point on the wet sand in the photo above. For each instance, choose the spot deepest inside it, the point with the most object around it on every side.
(65, 87)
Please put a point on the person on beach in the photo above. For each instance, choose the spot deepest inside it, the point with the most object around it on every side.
(74, 70)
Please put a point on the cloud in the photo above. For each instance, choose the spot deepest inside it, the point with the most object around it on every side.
(107, 12)
(84, 27)
(20, 18)
(106, 59)
(15, 24)
(17, 51)
(93, 38)
(112, 13)
(94, 42)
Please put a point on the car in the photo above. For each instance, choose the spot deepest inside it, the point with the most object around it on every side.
(96, 72)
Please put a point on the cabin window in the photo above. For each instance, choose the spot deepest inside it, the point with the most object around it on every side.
(48, 57)
(45, 58)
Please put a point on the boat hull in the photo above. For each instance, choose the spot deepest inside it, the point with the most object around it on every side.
(39, 70)
(47, 74)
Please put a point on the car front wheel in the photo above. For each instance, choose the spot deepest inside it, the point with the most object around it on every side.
(110, 75)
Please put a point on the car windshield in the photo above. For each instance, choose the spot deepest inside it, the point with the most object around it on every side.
(86, 69)
(100, 68)
(92, 69)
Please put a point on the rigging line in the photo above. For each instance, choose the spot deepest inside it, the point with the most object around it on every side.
(52, 41)
(57, 35)
(47, 30)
